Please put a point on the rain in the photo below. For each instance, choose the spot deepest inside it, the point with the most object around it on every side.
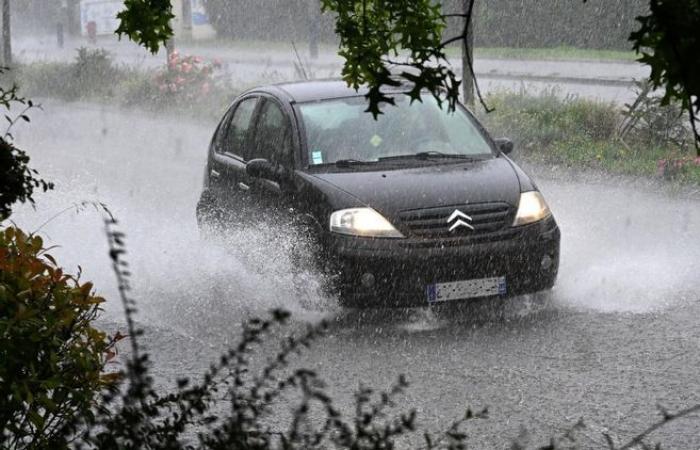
(614, 338)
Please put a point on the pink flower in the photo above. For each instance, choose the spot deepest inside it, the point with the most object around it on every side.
(205, 88)
(186, 68)
(216, 62)
(696, 161)
(197, 59)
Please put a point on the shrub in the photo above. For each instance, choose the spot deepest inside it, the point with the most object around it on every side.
(539, 120)
(93, 72)
(188, 77)
(648, 120)
(17, 180)
(51, 355)
(45, 79)
(186, 84)
(646, 138)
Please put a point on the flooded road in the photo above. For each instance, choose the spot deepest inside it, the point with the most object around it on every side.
(619, 335)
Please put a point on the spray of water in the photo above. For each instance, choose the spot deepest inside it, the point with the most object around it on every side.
(622, 250)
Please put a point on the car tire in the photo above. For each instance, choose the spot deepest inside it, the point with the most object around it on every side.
(311, 275)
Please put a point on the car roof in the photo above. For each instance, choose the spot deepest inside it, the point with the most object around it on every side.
(307, 91)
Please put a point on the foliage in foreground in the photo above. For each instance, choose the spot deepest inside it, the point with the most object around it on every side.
(52, 357)
(668, 40)
(54, 394)
(191, 416)
(17, 180)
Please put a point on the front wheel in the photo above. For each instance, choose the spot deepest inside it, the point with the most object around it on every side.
(312, 276)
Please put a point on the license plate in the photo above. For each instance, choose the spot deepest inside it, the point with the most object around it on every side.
(459, 290)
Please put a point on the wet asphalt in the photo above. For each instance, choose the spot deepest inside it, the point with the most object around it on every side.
(618, 335)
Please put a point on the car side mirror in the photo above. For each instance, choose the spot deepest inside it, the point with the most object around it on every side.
(505, 145)
(262, 168)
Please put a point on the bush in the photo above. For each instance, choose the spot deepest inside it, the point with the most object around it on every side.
(51, 355)
(17, 180)
(186, 84)
(647, 139)
(540, 120)
(93, 73)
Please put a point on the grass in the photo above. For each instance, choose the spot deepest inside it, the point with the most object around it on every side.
(583, 133)
(554, 54)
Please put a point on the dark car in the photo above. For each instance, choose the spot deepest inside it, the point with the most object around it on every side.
(421, 206)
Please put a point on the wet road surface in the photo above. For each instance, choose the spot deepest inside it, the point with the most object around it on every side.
(619, 334)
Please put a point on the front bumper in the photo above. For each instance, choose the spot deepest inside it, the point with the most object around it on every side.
(402, 269)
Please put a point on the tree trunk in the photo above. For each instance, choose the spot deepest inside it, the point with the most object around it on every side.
(6, 34)
(314, 25)
(468, 59)
(187, 19)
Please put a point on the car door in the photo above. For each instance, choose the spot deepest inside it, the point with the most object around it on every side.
(232, 144)
(273, 140)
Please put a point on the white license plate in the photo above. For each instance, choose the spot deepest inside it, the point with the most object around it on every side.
(458, 290)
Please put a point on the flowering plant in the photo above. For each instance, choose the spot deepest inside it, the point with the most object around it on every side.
(188, 76)
(672, 167)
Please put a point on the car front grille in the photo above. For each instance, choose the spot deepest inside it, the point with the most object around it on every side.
(488, 221)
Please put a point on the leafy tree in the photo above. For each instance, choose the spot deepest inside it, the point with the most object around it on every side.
(17, 180)
(668, 40)
(147, 22)
(378, 37)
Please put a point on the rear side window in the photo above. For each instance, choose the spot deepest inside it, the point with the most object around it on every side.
(273, 135)
(234, 135)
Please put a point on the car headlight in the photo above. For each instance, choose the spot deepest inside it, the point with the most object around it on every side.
(531, 208)
(362, 222)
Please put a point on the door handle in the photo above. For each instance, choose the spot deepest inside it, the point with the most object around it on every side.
(214, 174)
(242, 186)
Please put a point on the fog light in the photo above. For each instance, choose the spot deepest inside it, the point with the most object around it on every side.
(367, 280)
(546, 262)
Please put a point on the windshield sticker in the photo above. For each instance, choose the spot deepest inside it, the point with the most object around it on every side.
(376, 140)
(316, 157)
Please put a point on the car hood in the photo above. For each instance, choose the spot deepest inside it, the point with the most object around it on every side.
(394, 190)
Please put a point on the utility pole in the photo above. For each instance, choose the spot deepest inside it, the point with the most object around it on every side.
(468, 57)
(6, 34)
(314, 25)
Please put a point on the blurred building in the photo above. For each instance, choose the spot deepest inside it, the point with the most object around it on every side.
(44, 17)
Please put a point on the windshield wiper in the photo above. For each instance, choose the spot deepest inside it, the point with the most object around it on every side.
(351, 162)
(431, 154)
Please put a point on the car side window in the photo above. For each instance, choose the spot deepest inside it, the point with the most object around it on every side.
(273, 135)
(236, 134)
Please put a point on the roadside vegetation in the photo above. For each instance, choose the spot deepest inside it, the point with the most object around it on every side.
(648, 139)
(185, 84)
(554, 54)
(644, 139)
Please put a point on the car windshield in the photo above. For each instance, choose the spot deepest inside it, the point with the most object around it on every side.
(342, 130)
